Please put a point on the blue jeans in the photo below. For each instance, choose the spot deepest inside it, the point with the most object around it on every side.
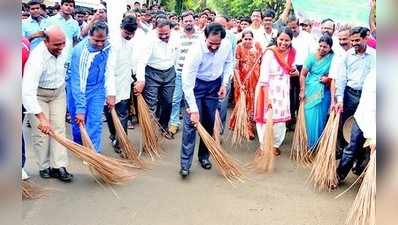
(206, 94)
(223, 107)
(351, 152)
(176, 104)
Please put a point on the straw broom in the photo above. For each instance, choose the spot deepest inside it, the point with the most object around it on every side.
(241, 130)
(217, 127)
(264, 158)
(363, 210)
(111, 171)
(299, 150)
(149, 128)
(31, 191)
(128, 150)
(323, 173)
(228, 167)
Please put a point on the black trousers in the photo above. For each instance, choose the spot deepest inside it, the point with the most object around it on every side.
(122, 110)
(294, 95)
(158, 93)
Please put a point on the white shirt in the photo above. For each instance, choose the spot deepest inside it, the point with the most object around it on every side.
(304, 45)
(156, 54)
(202, 64)
(41, 70)
(337, 63)
(137, 42)
(123, 50)
(259, 35)
(365, 115)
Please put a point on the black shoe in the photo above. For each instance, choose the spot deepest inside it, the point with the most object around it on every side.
(116, 146)
(184, 173)
(205, 163)
(46, 173)
(61, 174)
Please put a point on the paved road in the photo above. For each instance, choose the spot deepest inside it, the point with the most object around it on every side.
(160, 197)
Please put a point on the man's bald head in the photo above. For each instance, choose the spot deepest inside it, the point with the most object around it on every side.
(221, 20)
(54, 40)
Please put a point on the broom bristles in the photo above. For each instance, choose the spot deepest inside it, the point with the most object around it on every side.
(228, 167)
(241, 130)
(31, 191)
(299, 150)
(149, 128)
(128, 150)
(111, 171)
(217, 127)
(323, 173)
(363, 210)
(264, 158)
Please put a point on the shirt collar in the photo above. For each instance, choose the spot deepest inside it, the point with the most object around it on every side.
(368, 51)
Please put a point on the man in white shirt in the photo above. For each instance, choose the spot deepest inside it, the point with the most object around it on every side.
(204, 80)
(156, 74)
(123, 50)
(304, 45)
(187, 37)
(43, 95)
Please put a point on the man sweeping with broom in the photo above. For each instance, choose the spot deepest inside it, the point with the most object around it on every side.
(204, 80)
(43, 95)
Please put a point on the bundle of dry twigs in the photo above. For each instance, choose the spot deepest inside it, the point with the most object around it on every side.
(111, 171)
(229, 168)
(217, 127)
(363, 210)
(149, 129)
(264, 158)
(299, 150)
(323, 173)
(241, 129)
(31, 191)
(128, 150)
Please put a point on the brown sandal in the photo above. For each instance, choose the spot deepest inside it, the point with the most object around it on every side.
(276, 151)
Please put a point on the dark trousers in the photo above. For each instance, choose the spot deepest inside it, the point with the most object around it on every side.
(351, 152)
(350, 104)
(158, 93)
(294, 96)
(206, 94)
(23, 140)
(122, 110)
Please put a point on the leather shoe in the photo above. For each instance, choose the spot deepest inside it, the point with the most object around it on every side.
(184, 173)
(46, 173)
(61, 174)
(205, 163)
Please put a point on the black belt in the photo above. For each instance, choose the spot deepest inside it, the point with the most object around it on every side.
(162, 71)
(353, 91)
(49, 89)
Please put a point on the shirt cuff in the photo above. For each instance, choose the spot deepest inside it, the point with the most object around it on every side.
(81, 110)
(339, 98)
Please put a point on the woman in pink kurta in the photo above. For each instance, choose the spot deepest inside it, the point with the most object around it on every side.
(272, 89)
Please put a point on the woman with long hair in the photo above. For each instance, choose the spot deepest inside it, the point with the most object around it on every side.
(247, 72)
(315, 89)
(272, 91)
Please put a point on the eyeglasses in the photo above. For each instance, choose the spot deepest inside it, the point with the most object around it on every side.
(304, 25)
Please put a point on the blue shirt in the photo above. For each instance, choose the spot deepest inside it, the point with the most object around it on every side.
(354, 69)
(202, 64)
(31, 26)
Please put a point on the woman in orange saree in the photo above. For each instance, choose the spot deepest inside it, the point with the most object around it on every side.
(247, 72)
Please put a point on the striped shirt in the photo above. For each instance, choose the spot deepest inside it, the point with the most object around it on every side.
(184, 44)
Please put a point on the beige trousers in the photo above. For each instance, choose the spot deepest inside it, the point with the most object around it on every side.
(49, 152)
(279, 133)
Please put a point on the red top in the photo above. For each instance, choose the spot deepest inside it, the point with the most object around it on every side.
(25, 51)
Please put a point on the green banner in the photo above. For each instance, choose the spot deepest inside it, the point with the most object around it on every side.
(355, 12)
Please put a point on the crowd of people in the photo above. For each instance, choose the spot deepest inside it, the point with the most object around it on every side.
(189, 66)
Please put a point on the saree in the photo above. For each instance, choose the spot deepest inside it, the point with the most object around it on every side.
(317, 97)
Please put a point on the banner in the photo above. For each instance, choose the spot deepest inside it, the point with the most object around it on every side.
(354, 12)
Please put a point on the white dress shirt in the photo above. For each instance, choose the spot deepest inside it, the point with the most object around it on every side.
(365, 115)
(41, 70)
(304, 45)
(156, 54)
(337, 63)
(202, 64)
(123, 50)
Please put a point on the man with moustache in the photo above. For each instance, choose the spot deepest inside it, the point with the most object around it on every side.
(204, 81)
(33, 27)
(156, 74)
(122, 47)
(187, 37)
(43, 96)
(355, 66)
